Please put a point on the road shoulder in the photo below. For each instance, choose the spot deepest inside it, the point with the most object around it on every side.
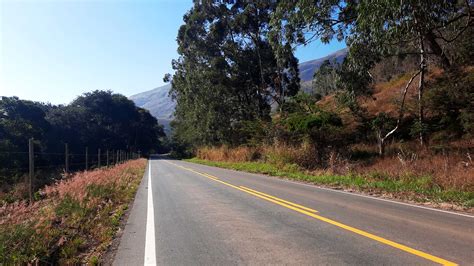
(128, 246)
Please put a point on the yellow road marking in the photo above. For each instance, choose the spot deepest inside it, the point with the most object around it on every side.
(210, 176)
(282, 200)
(335, 223)
(259, 196)
(275, 200)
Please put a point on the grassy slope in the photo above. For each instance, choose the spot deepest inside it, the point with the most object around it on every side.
(412, 188)
(73, 222)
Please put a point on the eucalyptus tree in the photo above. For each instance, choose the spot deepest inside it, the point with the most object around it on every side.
(324, 78)
(227, 71)
(378, 29)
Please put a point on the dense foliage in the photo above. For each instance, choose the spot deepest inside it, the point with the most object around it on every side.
(228, 73)
(236, 80)
(97, 120)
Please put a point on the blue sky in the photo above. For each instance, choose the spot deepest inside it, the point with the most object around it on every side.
(53, 50)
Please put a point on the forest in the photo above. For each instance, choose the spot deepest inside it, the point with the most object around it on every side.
(400, 106)
(95, 120)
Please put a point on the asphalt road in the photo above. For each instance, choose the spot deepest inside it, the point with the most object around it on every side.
(201, 215)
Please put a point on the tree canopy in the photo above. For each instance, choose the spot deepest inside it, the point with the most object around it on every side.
(228, 72)
(97, 120)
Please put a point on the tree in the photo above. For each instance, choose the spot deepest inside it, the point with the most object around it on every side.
(415, 26)
(227, 72)
(383, 28)
(99, 119)
(307, 122)
(19, 121)
(325, 79)
(102, 119)
(382, 124)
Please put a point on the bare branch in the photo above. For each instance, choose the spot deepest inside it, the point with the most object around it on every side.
(464, 28)
(402, 105)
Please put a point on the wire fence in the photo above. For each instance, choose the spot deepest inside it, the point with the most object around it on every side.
(31, 162)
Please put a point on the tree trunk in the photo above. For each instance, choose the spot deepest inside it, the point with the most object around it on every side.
(421, 86)
(437, 50)
(381, 144)
(400, 116)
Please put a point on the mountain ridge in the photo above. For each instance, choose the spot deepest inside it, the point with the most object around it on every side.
(161, 105)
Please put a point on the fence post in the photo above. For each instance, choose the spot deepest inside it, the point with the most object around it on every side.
(117, 158)
(87, 158)
(32, 167)
(107, 158)
(98, 158)
(66, 158)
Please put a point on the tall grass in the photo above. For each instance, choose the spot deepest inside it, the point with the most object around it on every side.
(224, 153)
(407, 170)
(72, 221)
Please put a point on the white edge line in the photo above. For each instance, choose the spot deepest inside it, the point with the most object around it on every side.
(150, 250)
(345, 192)
(381, 199)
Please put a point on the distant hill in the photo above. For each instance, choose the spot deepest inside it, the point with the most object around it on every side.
(158, 102)
(308, 68)
(161, 106)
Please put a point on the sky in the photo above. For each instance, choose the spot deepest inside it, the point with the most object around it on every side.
(54, 50)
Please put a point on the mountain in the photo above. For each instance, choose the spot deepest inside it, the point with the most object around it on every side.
(308, 68)
(158, 102)
(161, 106)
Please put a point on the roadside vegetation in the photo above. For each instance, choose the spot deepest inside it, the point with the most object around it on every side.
(96, 120)
(431, 179)
(72, 221)
(396, 116)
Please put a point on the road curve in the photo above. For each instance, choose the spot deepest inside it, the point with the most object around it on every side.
(204, 215)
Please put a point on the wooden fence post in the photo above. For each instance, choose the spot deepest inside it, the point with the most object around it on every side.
(98, 158)
(66, 158)
(107, 157)
(32, 168)
(87, 158)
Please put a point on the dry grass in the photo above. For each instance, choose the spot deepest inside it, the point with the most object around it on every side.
(449, 171)
(73, 222)
(454, 171)
(224, 153)
(279, 154)
(451, 166)
(386, 95)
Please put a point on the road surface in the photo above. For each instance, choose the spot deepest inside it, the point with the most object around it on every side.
(193, 214)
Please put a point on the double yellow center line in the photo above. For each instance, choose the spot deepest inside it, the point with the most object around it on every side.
(312, 213)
